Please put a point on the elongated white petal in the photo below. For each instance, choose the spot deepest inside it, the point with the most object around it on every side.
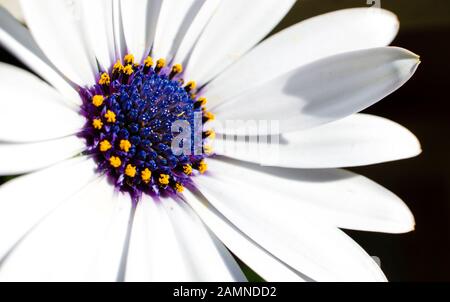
(59, 29)
(139, 23)
(308, 41)
(30, 110)
(208, 258)
(317, 249)
(335, 197)
(261, 261)
(154, 253)
(13, 7)
(18, 40)
(234, 29)
(199, 23)
(169, 242)
(72, 243)
(324, 91)
(98, 17)
(26, 200)
(357, 140)
(18, 158)
(173, 23)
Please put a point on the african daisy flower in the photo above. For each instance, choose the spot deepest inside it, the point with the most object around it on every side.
(106, 197)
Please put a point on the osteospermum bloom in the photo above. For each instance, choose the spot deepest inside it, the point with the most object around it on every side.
(106, 198)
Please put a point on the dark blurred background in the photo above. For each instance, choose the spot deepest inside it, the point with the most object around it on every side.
(422, 105)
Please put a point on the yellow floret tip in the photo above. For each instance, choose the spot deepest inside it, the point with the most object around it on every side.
(130, 171)
(202, 167)
(177, 68)
(128, 59)
(160, 63)
(97, 124)
(148, 62)
(210, 116)
(211, 134)
(191, 85)
(115, 161)
(179, 188)
(104, 79)
(146, 175)
(105, 145)
(110, 116)
(98, 100)
(118, 66)
(164, 179)
(202, 101)
(187, 169)
(125, 145)
(207, 149)
(128, 70)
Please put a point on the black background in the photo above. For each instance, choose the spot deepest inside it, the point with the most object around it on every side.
(422, 105)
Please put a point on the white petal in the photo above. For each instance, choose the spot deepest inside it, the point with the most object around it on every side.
(26, 200)
(261, 261)
(22, 158)
(233, 30)
(18, 40)
(208, 258)
(13, 7)
(31, 110)
(120, 47)
(335, 197)
(71, 243)
(169, 243)
(139, 22)
(308, 41)
(100, 30)
(59, 29)
(324, 91)
(313, 247)
(174, 21)
(154, 253)
(195, 29)
(357, 140)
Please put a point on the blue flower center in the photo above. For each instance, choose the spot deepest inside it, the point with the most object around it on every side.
(132, 123)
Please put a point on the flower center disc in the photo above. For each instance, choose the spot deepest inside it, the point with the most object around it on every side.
(130, 115)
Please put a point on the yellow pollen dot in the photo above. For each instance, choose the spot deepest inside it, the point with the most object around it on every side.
(210, 116)
(164, 179)
(104, 79)
(177, 68)
(191, 85)
(148, 62)
(179, 188)
(128, 70)
(187, 169)
(118, 66)
(146, 175)
(97, 123)
(129, 59)
(160, 63)
(125, 145)
(202, 101)
(105, 145)
(115, 161)
(211, 134)
(110, 116)
(208, 149)
(202, 167)
(130, 171)
(98, 100)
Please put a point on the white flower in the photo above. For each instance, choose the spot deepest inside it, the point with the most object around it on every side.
(65, 221)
